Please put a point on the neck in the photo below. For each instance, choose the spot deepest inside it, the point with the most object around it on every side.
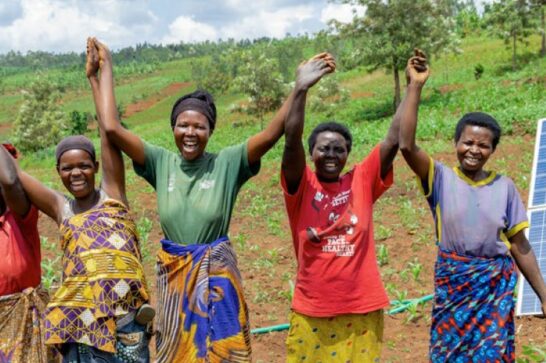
(475, 175)
(86, 203)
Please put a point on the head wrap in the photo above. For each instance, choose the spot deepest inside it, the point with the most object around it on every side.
(11, 149)
(200, 101)
(77, 142)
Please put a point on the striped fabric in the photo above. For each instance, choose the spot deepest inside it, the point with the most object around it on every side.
(473, 313)
(202, 314)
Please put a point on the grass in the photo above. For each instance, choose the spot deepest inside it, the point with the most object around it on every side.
(517, 99)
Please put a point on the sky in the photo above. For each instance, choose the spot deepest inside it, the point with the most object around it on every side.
(63, 25)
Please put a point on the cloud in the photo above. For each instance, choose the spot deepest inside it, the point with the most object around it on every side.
(273, 24)
(187, 30)
(9, 11)
(61, 26)
(341, 12)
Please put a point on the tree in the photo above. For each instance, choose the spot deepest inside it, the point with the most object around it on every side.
(538, 7)
(260, 79)
(40, 122)
(390, 30)
(209, 76)
(510, 20)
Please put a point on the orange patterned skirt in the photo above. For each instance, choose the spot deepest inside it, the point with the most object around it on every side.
(22, 327)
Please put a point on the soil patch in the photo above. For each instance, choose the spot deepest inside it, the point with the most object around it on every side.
(267, 263)
(153, 99)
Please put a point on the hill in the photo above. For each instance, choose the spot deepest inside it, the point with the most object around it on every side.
(260, 233)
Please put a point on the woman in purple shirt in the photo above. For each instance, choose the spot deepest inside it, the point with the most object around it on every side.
(480, 221)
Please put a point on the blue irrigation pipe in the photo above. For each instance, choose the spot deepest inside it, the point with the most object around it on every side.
(400, 306)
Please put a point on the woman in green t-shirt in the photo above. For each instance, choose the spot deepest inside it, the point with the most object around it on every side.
(202, 314)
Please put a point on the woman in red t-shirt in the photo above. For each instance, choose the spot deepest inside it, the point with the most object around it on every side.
(22, 299)
(338, 298)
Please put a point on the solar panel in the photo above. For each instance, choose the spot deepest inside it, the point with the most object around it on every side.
(528, 303)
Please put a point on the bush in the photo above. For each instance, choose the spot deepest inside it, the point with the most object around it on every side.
(478, 71)
(260, 79)
(327, 95)
(79, 122)
(40, 122)
(209, 76)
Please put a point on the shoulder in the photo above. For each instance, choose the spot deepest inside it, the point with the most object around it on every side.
(232, 150)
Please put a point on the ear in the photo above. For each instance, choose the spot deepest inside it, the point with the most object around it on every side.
(96, 166)
(58, 169)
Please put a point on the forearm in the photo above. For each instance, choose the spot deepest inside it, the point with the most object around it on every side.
(526, 261)
(106, 100)
(408, 114)
(8, 171)
(293, 126)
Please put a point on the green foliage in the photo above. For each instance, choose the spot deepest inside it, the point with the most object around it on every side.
(532, 354)
(328, 95)
(259, 78)
(79, 122)
(478, 71)
(382, 254)
(210, 76)
(510, 20)
(144, 227)
(468, 21)
(390, 30)
(40, 122)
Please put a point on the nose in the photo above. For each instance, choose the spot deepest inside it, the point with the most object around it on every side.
(191, 130)
(474, 149)
(76, 171)
(330, 152)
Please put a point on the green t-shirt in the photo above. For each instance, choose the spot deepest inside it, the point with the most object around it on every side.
(196, 198)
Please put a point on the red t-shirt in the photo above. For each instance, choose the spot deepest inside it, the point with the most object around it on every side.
(19, 252)
(332, 231)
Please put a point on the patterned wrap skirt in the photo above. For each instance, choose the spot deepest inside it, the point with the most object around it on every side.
(473, 312)
(348, 338)
(22, 327)
(202, 314)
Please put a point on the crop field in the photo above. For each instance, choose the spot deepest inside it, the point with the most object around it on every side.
(404, 232)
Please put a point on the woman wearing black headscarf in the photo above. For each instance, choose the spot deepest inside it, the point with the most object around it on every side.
(202, 315)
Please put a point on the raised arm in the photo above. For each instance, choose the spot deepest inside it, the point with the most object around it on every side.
(125, 140)
(263, 141)
(12, 189)
(527, 263)
(293, 159)
(417, 73)
(113, 178)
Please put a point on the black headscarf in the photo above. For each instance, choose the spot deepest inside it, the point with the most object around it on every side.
(200, 101)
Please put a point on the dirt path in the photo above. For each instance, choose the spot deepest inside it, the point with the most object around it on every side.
(153, 99)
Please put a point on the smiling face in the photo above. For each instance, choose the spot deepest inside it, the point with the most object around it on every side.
(474, 148)
(77, 171)
(329, 155)
(191, 134)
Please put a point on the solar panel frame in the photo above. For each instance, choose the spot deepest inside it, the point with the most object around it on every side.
(528, 302)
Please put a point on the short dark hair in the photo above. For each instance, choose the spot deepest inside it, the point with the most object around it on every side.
(479, 119)
(333, 127)
(200, 101)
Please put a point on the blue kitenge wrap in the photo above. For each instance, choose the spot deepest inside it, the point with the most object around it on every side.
(202, 313)
(473, 313)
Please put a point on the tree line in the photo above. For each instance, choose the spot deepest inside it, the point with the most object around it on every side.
(383, 37)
